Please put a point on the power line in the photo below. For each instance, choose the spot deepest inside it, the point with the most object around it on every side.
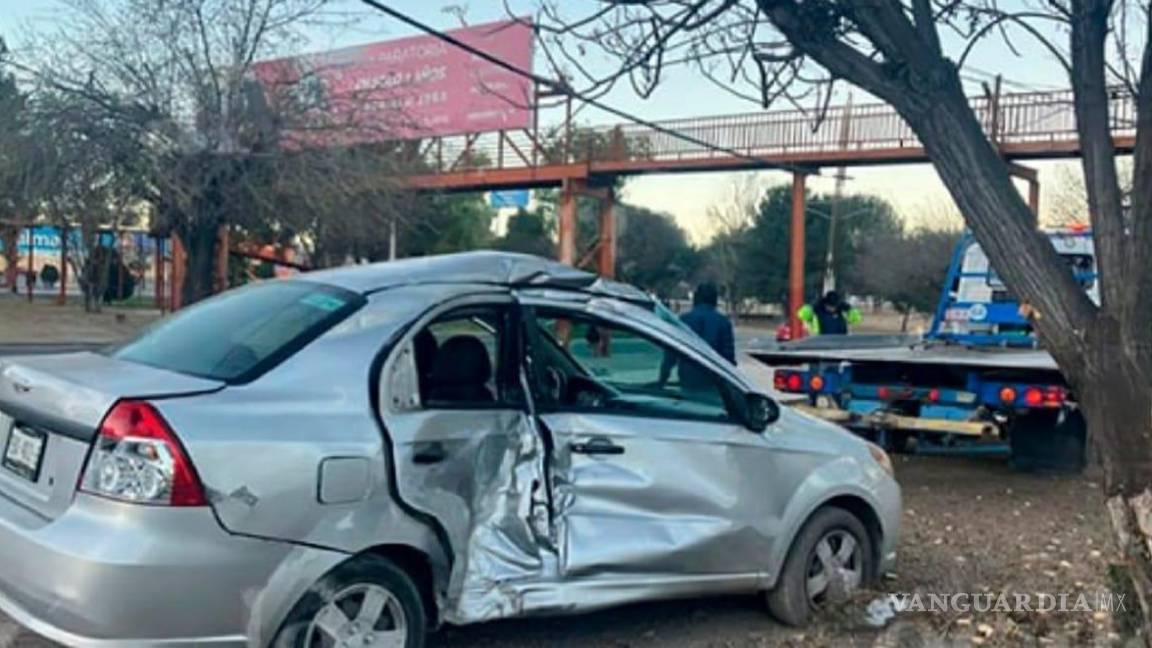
(564, 88)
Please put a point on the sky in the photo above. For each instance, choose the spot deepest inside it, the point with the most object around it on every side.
(914, 189)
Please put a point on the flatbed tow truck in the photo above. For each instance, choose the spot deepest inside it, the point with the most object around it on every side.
(976, 379)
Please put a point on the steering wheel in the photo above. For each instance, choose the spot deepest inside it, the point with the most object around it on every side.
(591, 399)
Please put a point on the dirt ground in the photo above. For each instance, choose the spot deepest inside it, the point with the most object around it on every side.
(43, 321)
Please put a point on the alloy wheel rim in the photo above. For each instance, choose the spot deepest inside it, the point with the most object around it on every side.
(835, 568)
(363, 615)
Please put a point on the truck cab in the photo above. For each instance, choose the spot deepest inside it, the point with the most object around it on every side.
(977, 308)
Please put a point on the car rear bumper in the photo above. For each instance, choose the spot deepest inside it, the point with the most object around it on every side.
(112, 574)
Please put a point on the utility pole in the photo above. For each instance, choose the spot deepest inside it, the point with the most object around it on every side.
(838, 193)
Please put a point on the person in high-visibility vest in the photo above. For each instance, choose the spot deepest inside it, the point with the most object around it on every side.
(830, 315)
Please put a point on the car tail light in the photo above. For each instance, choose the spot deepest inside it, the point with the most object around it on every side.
(816, 383)
(933, 395)
(1054, 396)
(137, 458)
(884, 393)
(1008, 395)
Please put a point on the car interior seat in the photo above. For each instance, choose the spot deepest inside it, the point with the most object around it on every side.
(460, 372)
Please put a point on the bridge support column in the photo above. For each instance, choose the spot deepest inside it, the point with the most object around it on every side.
(566, 225)
(1032, 177)
(606, 257)
(796, 255)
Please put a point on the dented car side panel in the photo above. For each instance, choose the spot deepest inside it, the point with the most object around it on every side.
(682, 498)
(479, 471)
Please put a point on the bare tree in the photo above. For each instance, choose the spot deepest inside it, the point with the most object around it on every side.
(88, 180)
(724, 256)
(793, 50)
(1068, 204)
(908, 268)
(218, 143)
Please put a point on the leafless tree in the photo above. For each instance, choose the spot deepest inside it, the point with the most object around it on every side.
(910, 54)
(223, 137)
(1068, 203)
(908, 268)
(724, 255)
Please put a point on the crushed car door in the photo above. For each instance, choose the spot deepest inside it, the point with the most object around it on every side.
(466, 453)
(651, 474)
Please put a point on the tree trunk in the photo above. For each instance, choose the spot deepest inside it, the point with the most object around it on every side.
(11, 236)
(200, 242)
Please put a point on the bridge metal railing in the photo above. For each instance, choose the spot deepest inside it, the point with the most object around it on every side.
(1032, 118)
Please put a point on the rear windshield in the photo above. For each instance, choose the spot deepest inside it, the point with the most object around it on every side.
(239, 335)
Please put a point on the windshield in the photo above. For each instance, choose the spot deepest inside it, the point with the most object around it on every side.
(241, 334)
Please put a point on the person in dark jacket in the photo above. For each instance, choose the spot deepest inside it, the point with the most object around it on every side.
(713, 327)
(709, 323)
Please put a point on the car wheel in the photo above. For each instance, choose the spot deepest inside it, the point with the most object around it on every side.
(830, 557)
(366, 602)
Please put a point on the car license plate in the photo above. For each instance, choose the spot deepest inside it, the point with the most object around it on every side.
(25, 452)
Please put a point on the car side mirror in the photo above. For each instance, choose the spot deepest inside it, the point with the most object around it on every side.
(759, 412)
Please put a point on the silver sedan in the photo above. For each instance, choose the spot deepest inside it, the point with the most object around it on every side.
(356, 456)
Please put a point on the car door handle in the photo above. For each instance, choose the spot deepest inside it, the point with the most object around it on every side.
(597, 446)
(429, 453)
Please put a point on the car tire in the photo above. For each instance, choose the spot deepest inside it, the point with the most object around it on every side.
(791, 601)
(345, 591)
(1049, 441)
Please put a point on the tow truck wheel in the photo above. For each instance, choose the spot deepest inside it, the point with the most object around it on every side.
(1050, 441)
(900, 442)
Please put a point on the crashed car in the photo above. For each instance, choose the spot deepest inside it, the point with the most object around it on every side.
(355, 456)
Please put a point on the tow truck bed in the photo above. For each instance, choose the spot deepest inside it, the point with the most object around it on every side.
(898, 349)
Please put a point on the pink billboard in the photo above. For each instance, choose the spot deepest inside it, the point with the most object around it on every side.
(405, 88)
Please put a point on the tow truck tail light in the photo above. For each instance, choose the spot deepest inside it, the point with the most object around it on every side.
(1033, 397)
(787, 381)
(137, 458)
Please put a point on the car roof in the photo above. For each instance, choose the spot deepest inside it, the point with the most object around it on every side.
(490, 267)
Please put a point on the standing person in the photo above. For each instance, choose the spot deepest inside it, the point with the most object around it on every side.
(713, 327)
(830, 315)
(709, 323)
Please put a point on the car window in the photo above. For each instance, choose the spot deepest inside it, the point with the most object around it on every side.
(592, 364)
(240, 334)
(459, 359)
